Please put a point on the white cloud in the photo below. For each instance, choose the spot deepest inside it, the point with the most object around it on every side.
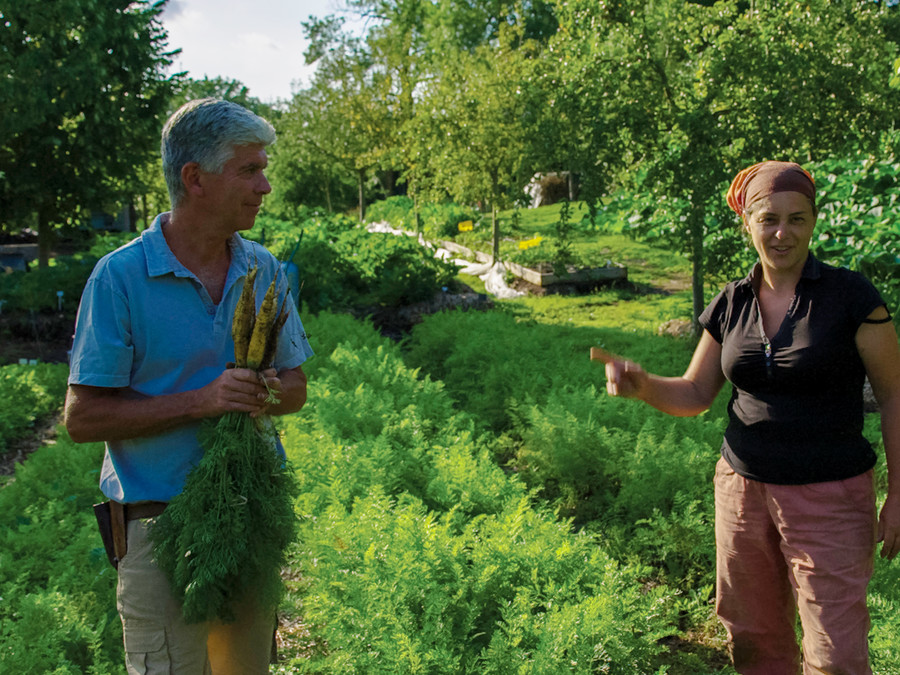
(260, 44)
(259, 41)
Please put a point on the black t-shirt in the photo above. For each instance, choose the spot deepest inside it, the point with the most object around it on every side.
(796, 409)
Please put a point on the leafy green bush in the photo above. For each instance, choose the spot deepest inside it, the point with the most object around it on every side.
(36, 290)
(859, 225)
(341, 265)
(58, 612)
(438, 220)
(27, 394)
(398, 210)
(441, 221)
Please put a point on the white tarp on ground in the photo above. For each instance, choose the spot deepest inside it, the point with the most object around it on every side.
(493, 276)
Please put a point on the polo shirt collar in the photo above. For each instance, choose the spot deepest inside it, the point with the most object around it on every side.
(161, 260)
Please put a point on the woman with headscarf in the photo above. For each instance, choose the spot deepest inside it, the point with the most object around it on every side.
(796, 522)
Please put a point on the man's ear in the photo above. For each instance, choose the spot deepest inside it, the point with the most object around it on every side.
(190, 178)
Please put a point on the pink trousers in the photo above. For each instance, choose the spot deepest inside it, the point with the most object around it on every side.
(788, 549)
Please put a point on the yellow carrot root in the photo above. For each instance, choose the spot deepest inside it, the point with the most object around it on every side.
(244, 318)
(261, 328)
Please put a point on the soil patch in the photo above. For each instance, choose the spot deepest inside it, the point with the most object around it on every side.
(397, 322)
(565, 288)
(45, 337)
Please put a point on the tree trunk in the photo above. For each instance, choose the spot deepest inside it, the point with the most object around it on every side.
(45, 238)
(418, 215)
(573, 186)
(495, 221)
(328, 196)
(495, 235)
(360, 180)
(696, 221)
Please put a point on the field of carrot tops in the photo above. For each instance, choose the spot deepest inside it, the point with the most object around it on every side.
(470, 501)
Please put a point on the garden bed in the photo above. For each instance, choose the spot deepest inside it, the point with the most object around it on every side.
(545, 276)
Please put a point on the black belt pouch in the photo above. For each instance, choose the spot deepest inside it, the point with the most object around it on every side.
(104, 522)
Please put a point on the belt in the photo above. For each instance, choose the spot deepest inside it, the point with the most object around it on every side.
(143, 510)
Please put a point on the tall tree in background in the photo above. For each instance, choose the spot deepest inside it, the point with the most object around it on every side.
(80, 102)
(471, 132)
(347, 117)
(304, 169)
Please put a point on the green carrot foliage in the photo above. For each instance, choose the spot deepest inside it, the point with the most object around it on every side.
(225, 534)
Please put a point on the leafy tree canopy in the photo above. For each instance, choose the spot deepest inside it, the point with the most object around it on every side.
(81, 101)
(683, 95)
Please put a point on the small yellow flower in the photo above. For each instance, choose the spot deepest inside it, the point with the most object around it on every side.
(465, 226)
(529, 243)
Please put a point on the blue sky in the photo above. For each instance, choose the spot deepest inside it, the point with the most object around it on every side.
(259, 42)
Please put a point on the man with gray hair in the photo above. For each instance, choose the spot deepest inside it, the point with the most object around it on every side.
(148, 364)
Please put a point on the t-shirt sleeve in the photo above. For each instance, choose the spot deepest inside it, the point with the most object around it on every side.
(102, 351)
(712, 319)
(864, 298)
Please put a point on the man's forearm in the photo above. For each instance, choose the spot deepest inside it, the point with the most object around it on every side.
(104, 414)
(120, 414)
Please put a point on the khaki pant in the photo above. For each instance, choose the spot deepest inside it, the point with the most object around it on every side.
(158, 641)
(784, 549)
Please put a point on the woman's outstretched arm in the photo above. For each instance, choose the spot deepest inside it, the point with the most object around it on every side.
(684, 396)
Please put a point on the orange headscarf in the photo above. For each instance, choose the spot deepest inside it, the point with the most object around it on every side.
(766, 178)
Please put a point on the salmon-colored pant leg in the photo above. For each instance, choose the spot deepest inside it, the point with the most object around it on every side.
(788, 549)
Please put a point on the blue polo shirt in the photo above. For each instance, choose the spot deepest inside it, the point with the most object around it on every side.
(147, 323)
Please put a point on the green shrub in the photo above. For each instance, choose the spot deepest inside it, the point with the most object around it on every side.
(58, 612)
(341, 265)
(36, 289)
(398, 210)
(437, 220)
(859, 225)
(27, 394)
(441, 221)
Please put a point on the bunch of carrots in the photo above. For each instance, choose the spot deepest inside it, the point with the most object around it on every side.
(222, 540)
